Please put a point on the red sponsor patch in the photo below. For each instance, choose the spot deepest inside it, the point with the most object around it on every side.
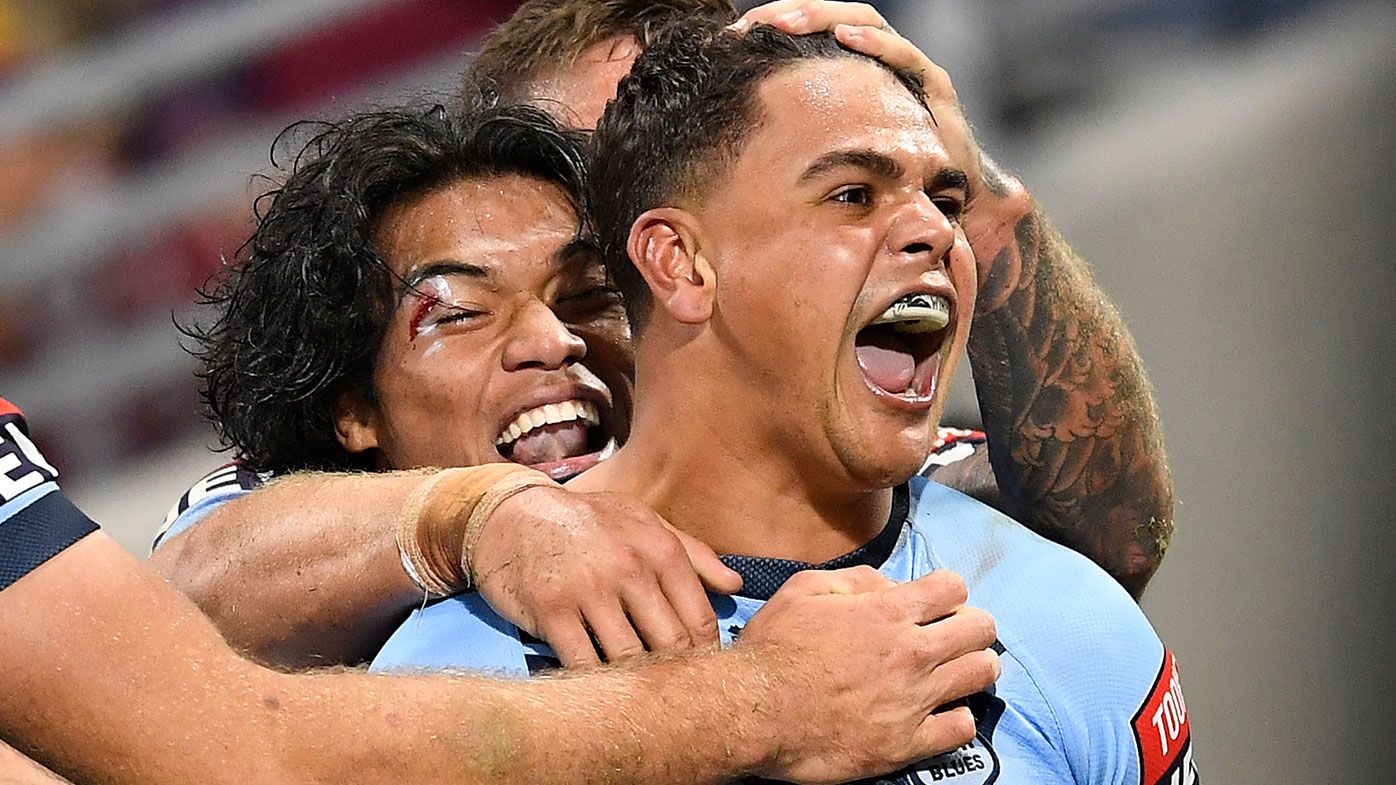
(1161, 731)
(8, 408)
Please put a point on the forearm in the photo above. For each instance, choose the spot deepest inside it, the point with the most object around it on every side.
(111, 677)
(1073, 434)
(303, 572)
(680, 720)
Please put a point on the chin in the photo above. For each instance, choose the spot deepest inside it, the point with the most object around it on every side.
(887, 462)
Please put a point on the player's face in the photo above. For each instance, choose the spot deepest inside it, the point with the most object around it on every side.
(843, 277)
(483, 359)
(581, 91)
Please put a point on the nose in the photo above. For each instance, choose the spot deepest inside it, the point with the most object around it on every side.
(538, 339)
(921, 233)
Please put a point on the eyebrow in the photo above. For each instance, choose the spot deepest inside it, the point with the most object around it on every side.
(882, 165)
(577, 247)
(948, 180)
(446, 267)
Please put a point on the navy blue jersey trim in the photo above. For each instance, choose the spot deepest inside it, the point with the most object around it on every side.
(37, 533)
(539, 664)
(762, 577)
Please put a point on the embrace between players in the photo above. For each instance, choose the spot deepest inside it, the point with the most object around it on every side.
(729, 321)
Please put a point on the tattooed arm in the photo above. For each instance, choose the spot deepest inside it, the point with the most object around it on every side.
(1073, 437)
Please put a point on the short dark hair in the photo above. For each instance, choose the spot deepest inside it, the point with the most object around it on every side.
(305, 303)
(549, 34)
(680, 118)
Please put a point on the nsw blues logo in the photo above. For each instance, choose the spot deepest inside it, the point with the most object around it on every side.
(975, 763)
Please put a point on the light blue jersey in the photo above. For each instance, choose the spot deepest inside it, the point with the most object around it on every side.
(1088, 693)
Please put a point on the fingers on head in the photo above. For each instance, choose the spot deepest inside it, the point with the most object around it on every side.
(801, 17)
(818, 16)
(898, 52)
(936, 81)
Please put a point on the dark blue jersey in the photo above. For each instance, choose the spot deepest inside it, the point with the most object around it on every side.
(36, 521)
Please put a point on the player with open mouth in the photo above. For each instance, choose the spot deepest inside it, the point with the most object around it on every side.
(899, 351)
(796, 447)
(562, 432)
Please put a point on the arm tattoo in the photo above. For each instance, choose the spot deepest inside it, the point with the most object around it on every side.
(1073, 435)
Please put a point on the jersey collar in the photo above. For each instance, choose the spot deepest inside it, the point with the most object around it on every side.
(762, 576)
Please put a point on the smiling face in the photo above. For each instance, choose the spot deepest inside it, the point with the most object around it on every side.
(844, 283)
(482, 360)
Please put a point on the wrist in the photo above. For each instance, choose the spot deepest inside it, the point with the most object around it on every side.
(759, 721)
(443, 518)
(499, 492)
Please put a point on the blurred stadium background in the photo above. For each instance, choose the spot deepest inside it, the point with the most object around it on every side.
(1226, 165)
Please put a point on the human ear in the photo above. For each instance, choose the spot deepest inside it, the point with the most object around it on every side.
(666, 248)
(355, 422)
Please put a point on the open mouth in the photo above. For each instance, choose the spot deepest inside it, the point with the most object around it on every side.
(899, 352)
(560, 439)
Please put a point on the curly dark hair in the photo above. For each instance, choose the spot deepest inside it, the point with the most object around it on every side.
(680, 118)
(305, 302)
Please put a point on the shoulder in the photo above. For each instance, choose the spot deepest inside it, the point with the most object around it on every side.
(218, 487)
(1078, 639)
(1054, 599)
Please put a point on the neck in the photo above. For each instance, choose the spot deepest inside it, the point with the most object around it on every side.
(715, 469)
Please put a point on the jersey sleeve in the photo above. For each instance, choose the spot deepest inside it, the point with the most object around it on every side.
(1080, 660)
(36, 521)
(220, 486)
(1115, 689)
